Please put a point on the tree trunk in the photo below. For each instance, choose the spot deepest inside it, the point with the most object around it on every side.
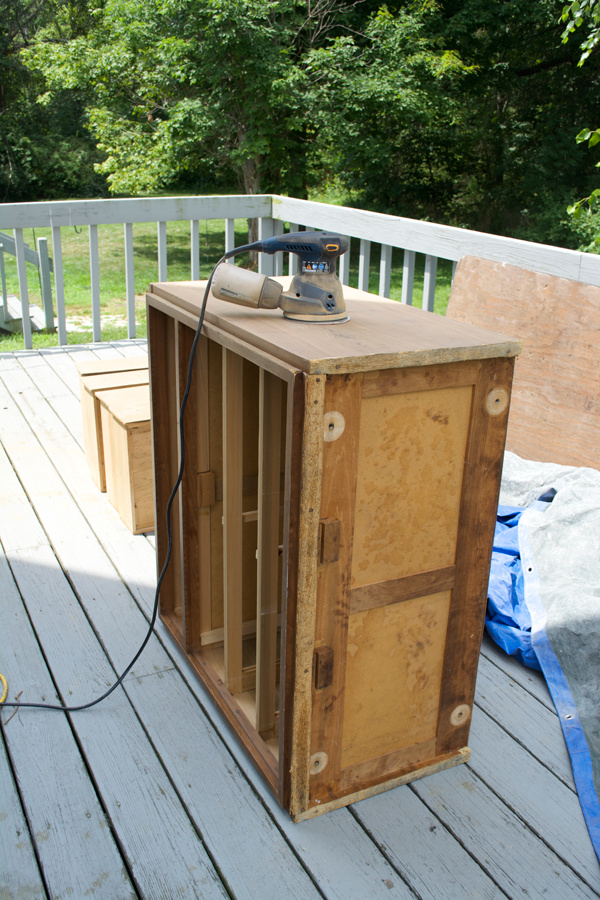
(251, 173)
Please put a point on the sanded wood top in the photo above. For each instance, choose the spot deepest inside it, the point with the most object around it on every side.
(381, 334)
(555, 405)
(128, 405)
(106, 366)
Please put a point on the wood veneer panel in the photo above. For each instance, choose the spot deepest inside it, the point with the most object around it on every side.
(555, 406)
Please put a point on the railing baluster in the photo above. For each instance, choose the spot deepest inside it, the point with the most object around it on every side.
(59, 286)
(385, 270)
(95, 283)
(408, 277)
(161, 228)
(363, 265)
(229, 236)
(3, 286)
(265, 260)
(23, 290)
(46, 284)
(292, 258)
(344, 266)
(194, 250)
(129, 279)
(278, 257)
(429, 282)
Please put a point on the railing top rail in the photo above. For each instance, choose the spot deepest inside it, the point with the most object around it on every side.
(443, 241)
(145, 209)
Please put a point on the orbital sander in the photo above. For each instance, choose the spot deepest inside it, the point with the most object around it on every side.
(315, 294)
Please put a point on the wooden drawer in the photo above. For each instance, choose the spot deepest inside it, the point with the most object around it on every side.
(333, 532)
(128, 454)
(101, 375)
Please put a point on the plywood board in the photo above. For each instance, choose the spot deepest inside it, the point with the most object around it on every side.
(555, 406)
(393, 676)
(410, 474)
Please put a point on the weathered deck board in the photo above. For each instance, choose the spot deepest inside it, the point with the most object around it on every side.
(77, 851)
(165, 855)
(468, 832)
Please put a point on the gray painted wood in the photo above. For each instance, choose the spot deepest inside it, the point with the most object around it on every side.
(429, 279)
(18, 866)
(150, 209)
(425, 852)
(540, 799)
(408, 277)
(364, 261)
(46, 284)
(23, 289)
(266, 262)
(77, 851)
(95, 283)
(516, 858)
(530, 679)
(532, 724)
(442, 241)
(129, 279)
(59, 285)
(165, 856)
(385, 270)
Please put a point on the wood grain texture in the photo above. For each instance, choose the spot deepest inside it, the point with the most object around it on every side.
(233, 468)
(555, 406)
(294, 432)
(410, 473)
(163, 386)
(268, 581)
(393, 677)
(382, 593)
(77, 851)
(306, 603)
(381, 334)
(343, 395)
(482, 472)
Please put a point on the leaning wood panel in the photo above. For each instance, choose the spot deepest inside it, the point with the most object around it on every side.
(555, 407)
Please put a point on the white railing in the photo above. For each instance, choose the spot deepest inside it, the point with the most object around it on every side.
(274, 214)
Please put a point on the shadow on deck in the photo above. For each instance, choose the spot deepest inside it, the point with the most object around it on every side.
(149, 795)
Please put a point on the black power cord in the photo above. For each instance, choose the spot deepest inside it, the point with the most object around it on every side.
(60, 708)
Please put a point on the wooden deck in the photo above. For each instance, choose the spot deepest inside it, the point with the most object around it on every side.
(149, 795)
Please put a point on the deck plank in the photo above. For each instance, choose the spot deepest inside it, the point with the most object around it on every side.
(517, 859)
(77, 851)
(18, 865)
(548, 806)
(532, 724)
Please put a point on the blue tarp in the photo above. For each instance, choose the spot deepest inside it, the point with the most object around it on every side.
(544, 601)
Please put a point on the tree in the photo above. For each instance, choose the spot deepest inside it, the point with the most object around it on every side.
(42, 151)
(205, 86)
(574, 15)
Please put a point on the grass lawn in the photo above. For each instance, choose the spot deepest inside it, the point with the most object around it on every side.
(75, 247)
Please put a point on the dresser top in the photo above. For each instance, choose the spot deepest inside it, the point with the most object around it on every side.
(381, 334)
